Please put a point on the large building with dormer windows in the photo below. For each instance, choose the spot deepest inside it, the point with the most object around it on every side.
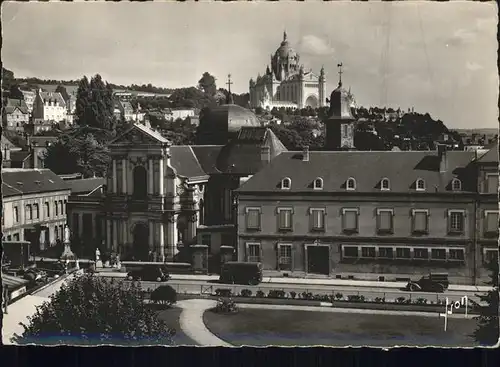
(286, 83)
(372, 214)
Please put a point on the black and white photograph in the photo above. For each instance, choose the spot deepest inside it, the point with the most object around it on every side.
(250, 174)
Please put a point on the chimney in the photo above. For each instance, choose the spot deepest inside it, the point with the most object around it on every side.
(443, 159)
(305, 154)
(265, 154)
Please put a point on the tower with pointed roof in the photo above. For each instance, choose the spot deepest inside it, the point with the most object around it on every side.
(340, 125)
(287, 83)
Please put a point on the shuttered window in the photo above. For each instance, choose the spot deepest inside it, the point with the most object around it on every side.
(492, 184)
(253, 218)
(385, 223)
(317, 219)
(491, 222)
(284, 219)
(350, 220)
(420, 221)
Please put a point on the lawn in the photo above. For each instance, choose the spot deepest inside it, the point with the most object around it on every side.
(171, 316)
(261, 327)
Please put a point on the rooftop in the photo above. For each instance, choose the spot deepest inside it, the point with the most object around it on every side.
(20, 181)
(85, 185)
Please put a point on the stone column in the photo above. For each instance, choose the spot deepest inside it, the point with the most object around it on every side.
(151, 239)
(161, 249)
(150, 176)
(161, 177)
(191, 226)
(80, 225)
(108, 233)
(115, 235)
(124, 233)
(171, 237)
(115, 182)
(93, 226)
(124, 176)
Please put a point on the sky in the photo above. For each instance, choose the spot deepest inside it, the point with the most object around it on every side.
(439, 58)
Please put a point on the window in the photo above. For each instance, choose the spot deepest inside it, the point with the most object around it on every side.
(253, 252)
(420, 221)
(15, 236)
(490, 255)
(284, 219)
(385, 184)
(28, 212)
(456, 185)
(491, 222)
(318, 183)
(46, 210)
(456, 221)
(61, 206)
(16, 214)
(253, 218)
(402, 253)
(286, 183)
(56, 209)
(438, 254)
(456, 254)
(384, 220)
(492, 183)
(385, 252)
(368, 252)
(284, 257)
(420, 253)
(351, 184)
(350, 251)
(36, 211)
(317, 219)
(420, 185)
(350, 220)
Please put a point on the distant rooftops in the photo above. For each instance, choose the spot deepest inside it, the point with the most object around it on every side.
(20, 181)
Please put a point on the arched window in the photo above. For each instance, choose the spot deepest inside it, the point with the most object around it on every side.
(140, 183)
(286, 183)
(28, 212)
(36, 211)
(385, 184)
(318, 183)
(456, 185)
(420, 185)
(351, 184)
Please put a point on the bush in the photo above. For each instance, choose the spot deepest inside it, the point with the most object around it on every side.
(323, 297)
(400, 300)
(307, 296)
(339, 296)
(276, 293)
(223, 292)
(421, 301)
(379, 299)
(293, 294)
(246, 293)
(226, 306)
(260, 294)
(164, 295)
(355, 298)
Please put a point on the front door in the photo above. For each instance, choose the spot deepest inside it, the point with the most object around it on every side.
(318, 260)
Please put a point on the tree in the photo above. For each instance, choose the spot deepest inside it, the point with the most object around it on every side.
(96, 310)
(82, 101)
(487, 331)
(207, 84)
(164, 295)
(7, 78)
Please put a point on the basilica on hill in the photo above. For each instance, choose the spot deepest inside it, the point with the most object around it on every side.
(286, 83)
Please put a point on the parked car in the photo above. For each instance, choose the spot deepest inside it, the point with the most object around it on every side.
(149, 273)
(434, 282)
(234, 272)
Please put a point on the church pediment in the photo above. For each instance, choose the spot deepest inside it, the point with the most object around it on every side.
(140, 134)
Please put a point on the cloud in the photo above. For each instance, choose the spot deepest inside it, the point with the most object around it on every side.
(473, 66)
(314, 45)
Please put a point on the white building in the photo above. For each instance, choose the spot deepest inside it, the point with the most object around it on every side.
(49, 106)
(181, 113)
(287, 84)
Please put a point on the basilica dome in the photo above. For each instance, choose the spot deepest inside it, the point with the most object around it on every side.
(285, 60)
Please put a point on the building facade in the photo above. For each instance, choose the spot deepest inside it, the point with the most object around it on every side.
(15, 115)
(49, 106)
(372, 214)
(286, 83)
(34, 206)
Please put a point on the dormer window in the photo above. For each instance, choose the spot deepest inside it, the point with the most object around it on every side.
(420, 185)
(351, 184)
(318, 183)
(385, 184)
(456, 185)
(286, 183)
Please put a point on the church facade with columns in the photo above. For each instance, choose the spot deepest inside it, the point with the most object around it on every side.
(286, 83)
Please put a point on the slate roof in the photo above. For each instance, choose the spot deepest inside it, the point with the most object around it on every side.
(15, 138)
(491, 156)
(18, 181)
(53, 96)
(13, 104)
(367, 168)
(207, 157)
(144, 129)
(185, 162)
(85, 185)
(6, 143)
(71, 89)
